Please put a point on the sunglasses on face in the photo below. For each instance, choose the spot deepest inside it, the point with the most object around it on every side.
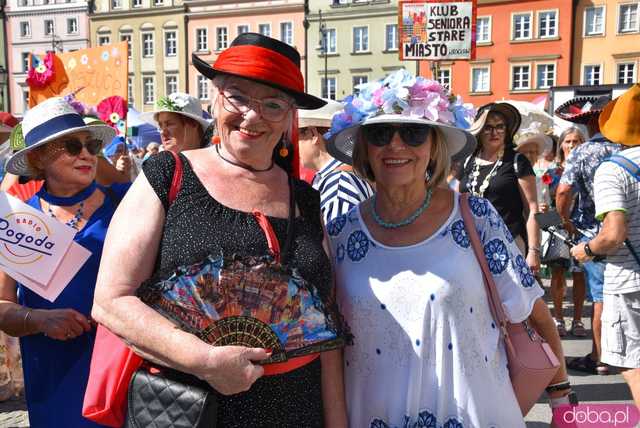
(381, 135)
(74, 146)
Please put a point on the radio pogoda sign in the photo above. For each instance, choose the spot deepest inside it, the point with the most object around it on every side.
(437, 30)
(33, 245)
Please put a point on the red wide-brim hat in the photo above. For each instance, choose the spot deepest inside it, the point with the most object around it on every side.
(582, 109)
(264, 60)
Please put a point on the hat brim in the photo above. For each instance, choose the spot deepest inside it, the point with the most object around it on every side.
(302, 99)
(341, 145)
(582, 118)
(149, 117)
(18, 165)
(510, 112)
(304, 122)
(539, 140)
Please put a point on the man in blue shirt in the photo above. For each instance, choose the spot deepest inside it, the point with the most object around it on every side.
(577, 178)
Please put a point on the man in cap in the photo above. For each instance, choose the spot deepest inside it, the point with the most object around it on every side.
(340, 189)
(577, 178)
(617, 204)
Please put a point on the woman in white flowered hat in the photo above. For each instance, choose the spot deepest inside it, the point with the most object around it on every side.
(179, 118)
(56, 338)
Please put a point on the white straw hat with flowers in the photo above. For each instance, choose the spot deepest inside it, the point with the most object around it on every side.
(179, 103)
(535, 133)
(401, 98)
(48, 121)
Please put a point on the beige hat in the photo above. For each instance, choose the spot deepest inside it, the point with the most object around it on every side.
(319, 117)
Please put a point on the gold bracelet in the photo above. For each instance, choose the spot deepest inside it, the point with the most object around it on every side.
(26, 318)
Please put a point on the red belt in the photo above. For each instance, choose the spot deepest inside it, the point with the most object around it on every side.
(289, 365)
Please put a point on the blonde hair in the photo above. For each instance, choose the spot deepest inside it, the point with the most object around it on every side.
(437, 170)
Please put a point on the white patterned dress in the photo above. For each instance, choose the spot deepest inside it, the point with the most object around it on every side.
(426, 351)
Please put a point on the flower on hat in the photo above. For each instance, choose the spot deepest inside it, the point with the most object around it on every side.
(403, 94)
(112, 110)
(174, 102)
(534, 129)
(78, 106)
(41, 70)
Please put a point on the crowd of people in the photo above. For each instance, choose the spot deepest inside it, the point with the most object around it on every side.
(385, 319)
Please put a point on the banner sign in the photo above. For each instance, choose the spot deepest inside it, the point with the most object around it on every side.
(437, 30)
(93, 74)
(37, 250)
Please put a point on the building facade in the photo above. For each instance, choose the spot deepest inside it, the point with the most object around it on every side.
(361, 42)
(155, 31)
(523, 49)
(39, 26)
(213, 24)
(607, 42)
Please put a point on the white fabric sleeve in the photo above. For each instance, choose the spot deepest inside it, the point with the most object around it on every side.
(609, 189)
(517, 287)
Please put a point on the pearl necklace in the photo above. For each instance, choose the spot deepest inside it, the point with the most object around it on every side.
(485, 183)
(406, 221)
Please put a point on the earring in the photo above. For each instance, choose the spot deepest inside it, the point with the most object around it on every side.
(284, 152)
(215, 139)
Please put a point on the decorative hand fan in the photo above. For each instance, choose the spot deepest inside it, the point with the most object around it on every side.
(247, 301)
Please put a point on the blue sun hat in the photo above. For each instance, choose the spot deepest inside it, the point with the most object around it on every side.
(401, 98)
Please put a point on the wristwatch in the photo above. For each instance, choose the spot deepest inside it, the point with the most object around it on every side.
(587, 250)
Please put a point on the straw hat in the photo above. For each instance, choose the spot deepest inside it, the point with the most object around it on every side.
(178, 103)
(321, 117)
(509, 111)
(620, 119)
(533, 134)
(48, 121)
(264, 60)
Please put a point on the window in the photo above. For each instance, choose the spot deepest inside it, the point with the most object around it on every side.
(521, 26)
(136, 3)
(286, 32)
(547, 24)
(25, 100)
(391, 37)
(480, 79)
(203, 88)
(242, 29)
(72, 25)
(25, 61)
(48, 27)
(127, 38)
(202, 40)
(171, 84)
(591, 75)
(330, 41)
(23, 3)
(545, 76)
(147, 45)
(594, 20)
(358, 80)
(104, 40)
(444, 77)
(360, 39)
(329, 88)
(130, 90)
(148, 95)
(158, 2)
(483, 29)
(520, 77)
(628, 18)
(116, 4)
(221, 38)
(25, 29)
(264, 29)
(626, 73)
(171, 43)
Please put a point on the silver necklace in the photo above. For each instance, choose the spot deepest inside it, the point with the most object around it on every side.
(485, 183)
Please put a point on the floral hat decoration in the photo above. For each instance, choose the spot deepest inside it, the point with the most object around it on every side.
(113, 111)
(179, 103)
(535, 133)
(400, 98)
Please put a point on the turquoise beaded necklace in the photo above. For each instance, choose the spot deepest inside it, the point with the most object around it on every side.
(406, 221)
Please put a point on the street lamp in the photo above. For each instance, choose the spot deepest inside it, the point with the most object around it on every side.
(324, 41)
(3, 81)
(56, 43)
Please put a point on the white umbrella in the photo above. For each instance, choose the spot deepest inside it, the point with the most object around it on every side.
(531, 112)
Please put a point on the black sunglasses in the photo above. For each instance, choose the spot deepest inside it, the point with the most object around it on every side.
(74, 146)
(413, 135)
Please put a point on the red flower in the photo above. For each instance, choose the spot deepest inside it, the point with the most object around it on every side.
(112, 110)
(40, 70)
(547, 178)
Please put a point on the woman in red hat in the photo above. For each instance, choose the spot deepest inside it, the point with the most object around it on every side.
(257, 87)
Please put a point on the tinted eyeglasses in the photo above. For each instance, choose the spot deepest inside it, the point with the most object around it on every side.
(74, 146)
(380, 135)
(500, 128)
(272, 109)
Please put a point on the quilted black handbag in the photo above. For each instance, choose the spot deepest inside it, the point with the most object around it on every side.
(554, 250)
(169, 399)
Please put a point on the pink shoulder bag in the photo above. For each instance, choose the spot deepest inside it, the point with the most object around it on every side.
(531, 361)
